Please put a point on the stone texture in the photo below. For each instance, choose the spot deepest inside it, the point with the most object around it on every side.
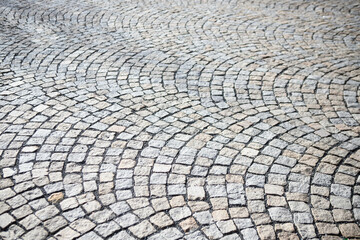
(280, 214)
(350, 230)
(188, 224)
(56, 197)
(143, 229)
(179, 119)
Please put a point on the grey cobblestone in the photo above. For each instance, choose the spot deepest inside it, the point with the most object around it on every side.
(179, 119)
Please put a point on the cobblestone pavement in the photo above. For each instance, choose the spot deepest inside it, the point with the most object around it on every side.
(179, 119)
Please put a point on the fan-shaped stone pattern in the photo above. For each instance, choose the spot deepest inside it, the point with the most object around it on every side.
(213, 119)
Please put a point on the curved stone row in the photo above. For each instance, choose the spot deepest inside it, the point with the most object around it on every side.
(179, 120)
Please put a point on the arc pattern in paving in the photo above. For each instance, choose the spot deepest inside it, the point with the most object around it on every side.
(179, 120)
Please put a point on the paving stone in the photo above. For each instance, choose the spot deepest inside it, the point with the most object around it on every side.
(285, 227)
(36, 233)
(29, 222)
(13, 232)
(266, 232)
(204, 217)
(127, 220)
(82, 225)
(196, 193)
(340, 202)
(106, 229)
(69, 203)
(16, 201)
(327, 228)
(274, 189)
(356, 212)
(238, 212)
(341, 190)
(119, 207)
(169, 233)
(320, 202)
(91, 235)
(67, 233)
(219, 215)
(179, 213)
(6, 219)
(160, 204)
(256, 206)
(322, 215)
(56, 197)
(212, 232)
(189, 224)
(6, 193)
(161, 220)
(191, 120)
(255, 180)
(276, 201)
(306, 230)
(4, 207)
(303, 218)
(226, 226)
(197, 206)
(46, 213)
(243, 223)
(255, 193)
(22, 212)
(74, 214)
(195, 235)
(350, 230)
(341, 215)
(249, 233)
(219, 203)
(231, 236)
(122, 235)
(55, 224)
(280, 214)
(143, 229)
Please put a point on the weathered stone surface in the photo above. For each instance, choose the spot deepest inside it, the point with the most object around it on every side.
(36, 233)
(5, 220)
(143, 229)
(350, 230)
(56, 197)
(55, 223)
(266, 232)
(179, 119)
(67, 233)
(188, 224)
(161, 220)
(280, 214)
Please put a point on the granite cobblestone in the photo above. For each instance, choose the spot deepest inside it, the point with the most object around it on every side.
(213, 119)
